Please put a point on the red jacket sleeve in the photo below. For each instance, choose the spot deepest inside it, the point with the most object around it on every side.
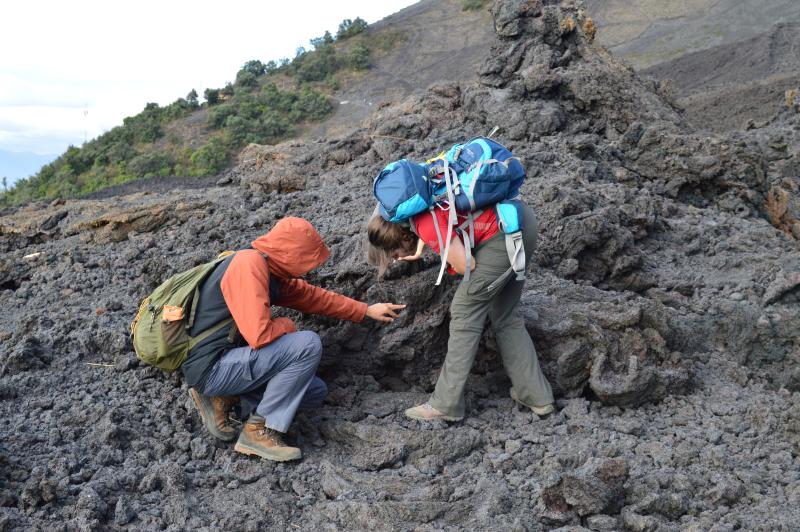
(299, 295)
(245, 288)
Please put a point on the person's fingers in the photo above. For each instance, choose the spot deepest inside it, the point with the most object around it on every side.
(390, 312)
(395, 306)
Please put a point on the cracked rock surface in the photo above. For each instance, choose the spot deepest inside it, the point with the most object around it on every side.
(663, 301)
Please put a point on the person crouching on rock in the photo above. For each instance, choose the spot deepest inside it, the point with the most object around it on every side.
(274, 373)
(471, 305)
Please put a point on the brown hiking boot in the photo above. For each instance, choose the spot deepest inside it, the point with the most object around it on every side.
(214, 413)
(259, 440)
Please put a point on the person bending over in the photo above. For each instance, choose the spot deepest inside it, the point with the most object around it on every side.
(471, 305)
(268, 366)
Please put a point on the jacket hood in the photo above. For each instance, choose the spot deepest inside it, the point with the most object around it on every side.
(294, 248)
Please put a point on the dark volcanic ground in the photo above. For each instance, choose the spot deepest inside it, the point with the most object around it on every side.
(725, 87)
(663, 301)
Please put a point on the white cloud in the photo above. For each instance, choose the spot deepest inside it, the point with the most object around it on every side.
(112, 58)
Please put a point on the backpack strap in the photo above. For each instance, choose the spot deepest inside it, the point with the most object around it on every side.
(516, 256)
(449, 176)
(468, 227)
(436, 228)
(208, 332)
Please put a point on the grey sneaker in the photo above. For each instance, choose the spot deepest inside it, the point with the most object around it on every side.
(540, 411)
(425, 412)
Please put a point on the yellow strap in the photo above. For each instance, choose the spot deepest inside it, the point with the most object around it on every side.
(440, 156)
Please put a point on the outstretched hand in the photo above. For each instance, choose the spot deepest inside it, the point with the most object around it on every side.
(384, 311)
(417, 254)
(410, 258)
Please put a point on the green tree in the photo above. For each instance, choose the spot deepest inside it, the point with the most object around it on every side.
(211, 96)
(321, 41)
(359, 57)
(316, 65)
(227, 90)
(245, 78)
(191, 99)
(311, 105)
(349, 28)
(255, 67)
(210, 159)
(151, 164)
(5, 184)
(219, 114)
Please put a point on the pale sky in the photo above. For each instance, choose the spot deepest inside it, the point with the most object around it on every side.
(71, 70)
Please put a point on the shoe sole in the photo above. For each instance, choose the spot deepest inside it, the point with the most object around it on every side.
(246, 449)
(210, 427)
(540, 411)
(443, 418)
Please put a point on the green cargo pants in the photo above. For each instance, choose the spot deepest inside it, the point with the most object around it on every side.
(471, 305)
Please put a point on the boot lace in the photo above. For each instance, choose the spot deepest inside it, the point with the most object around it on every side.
(272, 435)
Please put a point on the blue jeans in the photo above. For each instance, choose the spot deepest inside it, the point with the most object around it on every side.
(274, 380)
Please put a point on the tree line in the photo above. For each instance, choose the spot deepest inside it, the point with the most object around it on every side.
(258, 106)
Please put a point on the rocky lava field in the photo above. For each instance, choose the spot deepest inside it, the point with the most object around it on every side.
(663, 301)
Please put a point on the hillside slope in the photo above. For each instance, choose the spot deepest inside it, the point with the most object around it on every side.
(436, 41)
(648, 32)
(726, 86)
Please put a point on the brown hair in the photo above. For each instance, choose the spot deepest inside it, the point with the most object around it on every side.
(386, 239)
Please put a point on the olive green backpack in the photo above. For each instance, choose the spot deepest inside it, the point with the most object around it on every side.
(161, 328)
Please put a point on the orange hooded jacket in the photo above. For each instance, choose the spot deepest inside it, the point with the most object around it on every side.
(293, 248)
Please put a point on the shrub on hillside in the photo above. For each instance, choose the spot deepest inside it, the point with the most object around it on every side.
(219, 114)
(210, 159)
(332, 83)
(276, 99)
(191, 99)
(146, 126)
(310, 105)
(255, 67)
(359, 57)
(245, 78)
(240, 131)
(316, 65)
(349, 28)
(321, 41)
(151, 164)
(211, 96)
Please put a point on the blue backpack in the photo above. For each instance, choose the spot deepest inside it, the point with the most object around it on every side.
(466, 178)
